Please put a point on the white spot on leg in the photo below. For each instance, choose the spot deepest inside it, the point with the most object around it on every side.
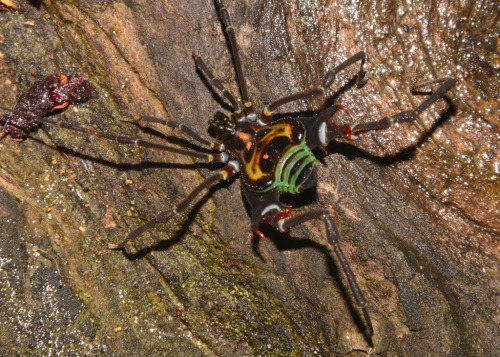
(322, 133)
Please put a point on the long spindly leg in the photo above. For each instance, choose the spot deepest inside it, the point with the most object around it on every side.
(238, 67)
(326, 82)
(122, 139)
(324, 129)
(215, 82)
(183, 128)
(284, 223)
(224, 174)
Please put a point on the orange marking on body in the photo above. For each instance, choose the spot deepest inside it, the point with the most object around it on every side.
(249, 145)
(283, 214)
(341, 107)
(252, 167)
(347, 131)
(243, 136)
(62, 106)
(265, 156)
(267, 113)
(63, 78)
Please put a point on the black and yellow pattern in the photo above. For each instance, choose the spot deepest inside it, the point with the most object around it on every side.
(277, 157)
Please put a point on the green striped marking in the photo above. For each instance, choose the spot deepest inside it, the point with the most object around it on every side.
(283, 179)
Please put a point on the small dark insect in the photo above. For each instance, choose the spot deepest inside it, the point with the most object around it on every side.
(273, 156)
(45, 96)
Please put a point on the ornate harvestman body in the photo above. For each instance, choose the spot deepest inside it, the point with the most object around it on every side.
(273, 156)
